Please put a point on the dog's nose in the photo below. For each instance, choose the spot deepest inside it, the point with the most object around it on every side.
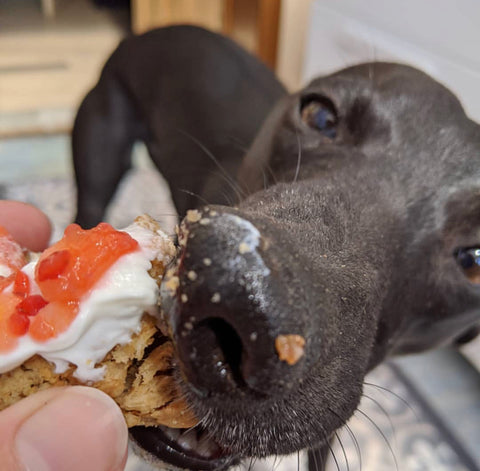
(224, 303)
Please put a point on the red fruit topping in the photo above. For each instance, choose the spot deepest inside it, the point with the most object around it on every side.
(53, 266)
(90, 254)
(7, 305)
(21, 285)
(52, 320)
(18, 324)
(65, 273)
(11, 254)
(31, 305)
(8, 340)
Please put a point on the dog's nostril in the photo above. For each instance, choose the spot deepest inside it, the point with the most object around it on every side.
(217, 344)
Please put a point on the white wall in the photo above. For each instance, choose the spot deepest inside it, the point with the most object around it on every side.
(441, 37)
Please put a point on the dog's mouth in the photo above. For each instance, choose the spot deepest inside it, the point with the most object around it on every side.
(191, 449)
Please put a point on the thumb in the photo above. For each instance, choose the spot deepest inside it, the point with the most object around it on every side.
(74, 428)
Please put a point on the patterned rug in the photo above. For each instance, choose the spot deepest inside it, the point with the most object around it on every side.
(393, 429)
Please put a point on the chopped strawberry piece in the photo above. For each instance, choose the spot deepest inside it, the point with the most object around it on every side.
(73, 230)
(31, 305)
(11, 254)
(52, 320)
(91, 253)
(53, 266)
(18, 324)
(21, 285)
(8, 340)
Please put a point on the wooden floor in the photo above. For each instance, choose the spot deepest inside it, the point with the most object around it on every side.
(47, 66)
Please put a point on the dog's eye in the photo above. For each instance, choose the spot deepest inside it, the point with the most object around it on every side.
(319, 113)
(469, 261)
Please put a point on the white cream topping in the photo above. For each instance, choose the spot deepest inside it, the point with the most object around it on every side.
(108, 316)
(5, 271)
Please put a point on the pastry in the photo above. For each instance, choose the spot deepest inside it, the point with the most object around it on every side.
(85, 311)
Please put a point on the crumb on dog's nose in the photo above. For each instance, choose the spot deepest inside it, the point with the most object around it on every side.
(222, 308)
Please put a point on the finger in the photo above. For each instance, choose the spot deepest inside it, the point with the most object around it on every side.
(64, 428)
(27, 224)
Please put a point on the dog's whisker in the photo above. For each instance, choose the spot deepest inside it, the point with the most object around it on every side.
(202, 421)
(355, 444)
(400, 398)
(334, 457)
(343, 450)
(298, 460)
(353, 437)
(240, 145)
(228, 198)
(209, 154)
(265, 179)
(191, 428)
(384, 437)
(250, 465)
(299, 157)
(235, 188)
(384, 411)
(191, 193)
(272, 173)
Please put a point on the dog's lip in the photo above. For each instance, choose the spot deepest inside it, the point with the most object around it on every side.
(190, 449)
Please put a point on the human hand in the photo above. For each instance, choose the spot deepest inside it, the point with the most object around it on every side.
(74, 428)
(27, 224)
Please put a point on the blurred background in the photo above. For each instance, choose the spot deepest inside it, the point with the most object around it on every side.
(418, 413)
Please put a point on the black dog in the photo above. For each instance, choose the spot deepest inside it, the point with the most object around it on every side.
(356, 219)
